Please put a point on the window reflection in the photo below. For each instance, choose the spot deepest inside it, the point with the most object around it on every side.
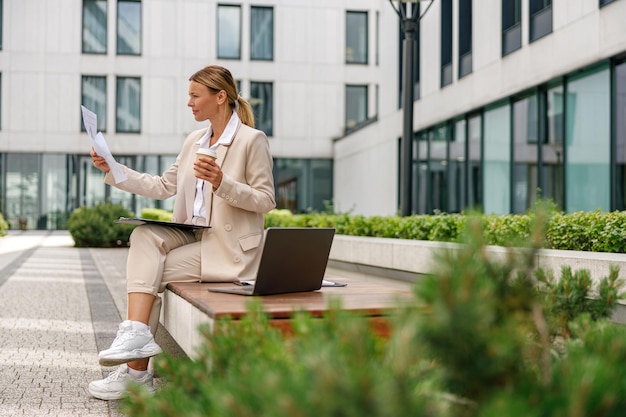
(95, 26)
(129, 27)
(228, 32)
(356, 37)
(262, 33)
(128, 105)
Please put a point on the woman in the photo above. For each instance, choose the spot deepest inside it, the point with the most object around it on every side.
(230, 194)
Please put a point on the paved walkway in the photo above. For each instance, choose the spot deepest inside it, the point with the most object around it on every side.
(59, 306)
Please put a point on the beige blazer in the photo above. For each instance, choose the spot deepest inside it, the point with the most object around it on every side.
(234, 211)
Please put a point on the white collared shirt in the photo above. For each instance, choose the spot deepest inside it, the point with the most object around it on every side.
(199, 205)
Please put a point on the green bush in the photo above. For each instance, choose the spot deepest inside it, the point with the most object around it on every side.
(95, 226)
(595, 231)
(482, 337)
(4, 226)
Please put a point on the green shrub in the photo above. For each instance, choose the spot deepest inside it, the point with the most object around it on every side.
(596, 231)
(4, 226)
(95, 226)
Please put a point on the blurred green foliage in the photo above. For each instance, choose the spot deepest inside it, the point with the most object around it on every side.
(95, 226)
(584, 231)
(4, 225)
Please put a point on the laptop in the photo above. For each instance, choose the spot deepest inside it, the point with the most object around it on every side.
(293, 259)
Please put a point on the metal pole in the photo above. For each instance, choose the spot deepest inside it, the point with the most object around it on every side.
(406, 153)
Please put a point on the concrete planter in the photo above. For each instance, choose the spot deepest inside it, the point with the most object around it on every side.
(406, 259)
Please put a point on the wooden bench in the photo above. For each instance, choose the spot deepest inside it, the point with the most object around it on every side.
(188, 305)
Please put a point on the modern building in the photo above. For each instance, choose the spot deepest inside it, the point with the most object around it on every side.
(512, 99)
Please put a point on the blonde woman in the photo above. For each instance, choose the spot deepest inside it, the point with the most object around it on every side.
(230, 194)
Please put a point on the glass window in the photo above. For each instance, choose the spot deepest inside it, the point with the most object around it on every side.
(129, 27)
(465, 37)
(474, 177)
(525, 153)
(620, 134)
(437, 168)
(511, 26)
(228, 31)
(497, 160)
(262, 33)
(303, 185)
(356, 105)
(356, 37)
(552, 149)
(457, 173)
(588, 138)
(540, 18)
(22, 183)
(94, 97)
(262, 102)
(446, 42)
(95, 26)
(128, 105)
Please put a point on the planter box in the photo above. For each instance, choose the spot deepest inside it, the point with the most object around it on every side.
(408, 259)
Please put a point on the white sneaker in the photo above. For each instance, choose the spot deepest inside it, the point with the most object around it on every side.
(129, 345)
(113, 387)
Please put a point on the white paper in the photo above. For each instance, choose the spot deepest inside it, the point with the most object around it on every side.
(90, 120)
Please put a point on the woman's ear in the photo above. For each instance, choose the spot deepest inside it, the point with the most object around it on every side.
(222, 97)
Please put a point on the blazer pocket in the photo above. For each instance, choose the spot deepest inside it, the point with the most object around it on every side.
(250, 241)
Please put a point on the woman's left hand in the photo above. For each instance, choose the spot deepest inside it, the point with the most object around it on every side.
(207, 169)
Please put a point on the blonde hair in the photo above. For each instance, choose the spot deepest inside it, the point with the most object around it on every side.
(217, 78)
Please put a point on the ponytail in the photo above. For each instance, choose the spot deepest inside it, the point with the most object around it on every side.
(244, 111)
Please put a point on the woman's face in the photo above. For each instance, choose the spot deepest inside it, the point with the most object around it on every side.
(203, 102)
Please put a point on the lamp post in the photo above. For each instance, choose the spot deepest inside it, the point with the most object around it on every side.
(408, 11)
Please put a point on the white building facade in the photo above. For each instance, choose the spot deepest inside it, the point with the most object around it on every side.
(511, 96)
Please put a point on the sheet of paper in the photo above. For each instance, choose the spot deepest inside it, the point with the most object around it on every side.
(90, 120)
(102, 149)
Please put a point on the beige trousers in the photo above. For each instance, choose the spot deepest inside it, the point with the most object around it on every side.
(159, 255)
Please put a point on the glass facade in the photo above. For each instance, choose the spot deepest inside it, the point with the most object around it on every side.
(564, 141)
(588, 141)
(497, 160)
(619, 124)
(525, 153)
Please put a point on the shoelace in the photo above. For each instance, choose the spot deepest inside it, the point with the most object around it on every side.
(122, 336)
(115, 375)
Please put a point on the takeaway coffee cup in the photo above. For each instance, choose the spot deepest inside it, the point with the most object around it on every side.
(204, 152)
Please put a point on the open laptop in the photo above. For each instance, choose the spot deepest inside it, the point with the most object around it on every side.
(294, 259)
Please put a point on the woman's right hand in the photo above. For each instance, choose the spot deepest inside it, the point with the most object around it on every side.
(99, 162)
